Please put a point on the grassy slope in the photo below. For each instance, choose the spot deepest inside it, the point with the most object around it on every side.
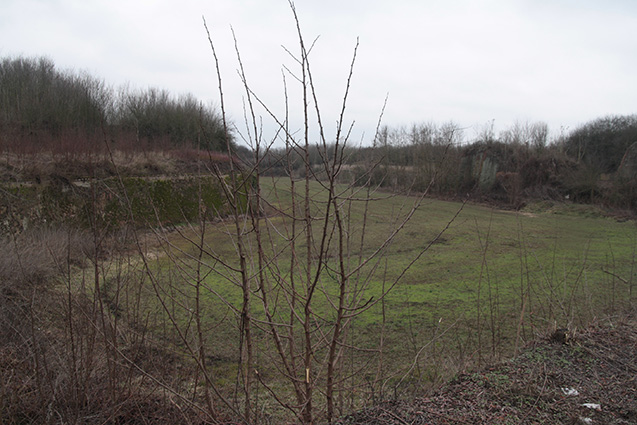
(494, 280)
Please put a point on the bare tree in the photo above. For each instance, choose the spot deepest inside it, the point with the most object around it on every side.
(302, 253)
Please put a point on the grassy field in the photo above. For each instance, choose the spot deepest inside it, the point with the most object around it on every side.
(145, 318)
(486, 285)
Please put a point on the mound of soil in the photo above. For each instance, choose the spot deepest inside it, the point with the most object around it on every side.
(586, 378)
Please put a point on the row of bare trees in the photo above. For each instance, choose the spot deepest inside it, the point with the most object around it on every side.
(40, 104)
(593, 163)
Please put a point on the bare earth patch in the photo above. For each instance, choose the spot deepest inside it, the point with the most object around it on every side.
(589, 379)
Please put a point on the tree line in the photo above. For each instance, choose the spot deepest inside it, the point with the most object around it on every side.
(42, 107)
(40, 103)
(593, 163)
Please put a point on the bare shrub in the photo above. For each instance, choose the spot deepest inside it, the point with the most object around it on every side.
(75, 346)
(29, 266)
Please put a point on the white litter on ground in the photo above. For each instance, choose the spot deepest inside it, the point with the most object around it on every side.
(570, 391)
(592, 406)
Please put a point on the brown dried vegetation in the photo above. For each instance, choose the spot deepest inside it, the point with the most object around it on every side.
(551, 382)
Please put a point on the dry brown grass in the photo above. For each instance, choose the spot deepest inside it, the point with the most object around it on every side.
(65, 356)
(37, 166)
(550, 382)
(28, 265)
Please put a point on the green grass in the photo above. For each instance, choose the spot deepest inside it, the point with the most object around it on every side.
(494, 280)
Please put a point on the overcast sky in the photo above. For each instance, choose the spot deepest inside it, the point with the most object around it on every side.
(563, 62)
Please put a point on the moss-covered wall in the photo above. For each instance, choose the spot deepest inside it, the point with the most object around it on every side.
(112, 203)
